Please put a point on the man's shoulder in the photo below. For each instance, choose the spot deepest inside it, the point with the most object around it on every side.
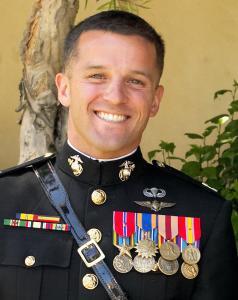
(181, 178)
(24, 167)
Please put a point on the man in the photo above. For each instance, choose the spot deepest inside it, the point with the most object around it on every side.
(142, 216)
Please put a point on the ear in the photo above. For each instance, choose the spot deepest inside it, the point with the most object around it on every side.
(62, 83)
(157, 99)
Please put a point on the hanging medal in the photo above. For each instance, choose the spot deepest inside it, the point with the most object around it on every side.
(190, 231)
(123, 230)
(169, 250)
(147, 233)
(168, 229)
(146, 247)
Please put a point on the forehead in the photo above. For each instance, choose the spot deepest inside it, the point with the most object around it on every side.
(95, 44)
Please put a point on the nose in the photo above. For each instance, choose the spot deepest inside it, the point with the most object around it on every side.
(114, 92)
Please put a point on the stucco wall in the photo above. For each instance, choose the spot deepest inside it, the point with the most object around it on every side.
(201, 57)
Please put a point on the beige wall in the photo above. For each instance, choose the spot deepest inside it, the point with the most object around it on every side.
(202, 46)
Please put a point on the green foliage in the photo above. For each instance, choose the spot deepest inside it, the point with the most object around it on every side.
(166, 149)
(213, 156)
(126, 5)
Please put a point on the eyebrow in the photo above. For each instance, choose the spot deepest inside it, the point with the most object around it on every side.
(142, 73)
(89, 67)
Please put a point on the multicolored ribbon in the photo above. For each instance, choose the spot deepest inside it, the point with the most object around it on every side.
(130, 228)
(123, 228)
(36, 225)
(33, 217)
(146, 227)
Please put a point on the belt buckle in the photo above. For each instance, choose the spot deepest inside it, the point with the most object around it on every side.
(87, 245)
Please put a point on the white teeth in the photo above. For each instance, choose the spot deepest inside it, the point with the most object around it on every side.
(111, 117)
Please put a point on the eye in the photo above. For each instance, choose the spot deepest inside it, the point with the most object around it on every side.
(136, 82)
(97, 76)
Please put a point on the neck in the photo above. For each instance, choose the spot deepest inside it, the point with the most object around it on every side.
(103, 158)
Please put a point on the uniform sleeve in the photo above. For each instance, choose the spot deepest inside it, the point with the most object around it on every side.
(218, 265)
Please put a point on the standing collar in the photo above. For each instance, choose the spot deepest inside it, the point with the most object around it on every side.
(97, 172)
(100, 159)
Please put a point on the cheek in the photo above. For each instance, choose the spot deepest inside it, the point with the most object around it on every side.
(88, 90)
(142, 102)
(82, 96)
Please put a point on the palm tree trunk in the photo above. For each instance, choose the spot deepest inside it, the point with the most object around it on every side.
(43, 121)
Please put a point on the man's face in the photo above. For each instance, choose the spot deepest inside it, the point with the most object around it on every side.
(111, 90)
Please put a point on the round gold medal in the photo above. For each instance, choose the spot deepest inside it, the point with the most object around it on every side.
(169, 250)
(191, 255)
(168, 267)
(143, 264)
(122, 263)
(189, 271)
(146, 248)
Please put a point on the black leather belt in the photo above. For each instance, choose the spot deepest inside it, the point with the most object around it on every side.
(88, 249)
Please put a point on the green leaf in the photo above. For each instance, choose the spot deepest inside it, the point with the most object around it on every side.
(194, 136)
(235, 186)
(209, 172)
(232, 127)
(177, 158)
(221, 92)
(228, 194)
(195, 150)
(234, 105)
(168, 147)
(229, 154)
(224, 162)
(151, 154)
(192, 168)
(234, 144)
(214, 183)
(224, 138)
(235, 83)
(219, 120)
(208, 153)
(234, 220)
(208, 130)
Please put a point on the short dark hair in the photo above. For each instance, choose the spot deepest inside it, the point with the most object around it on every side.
(118, 22)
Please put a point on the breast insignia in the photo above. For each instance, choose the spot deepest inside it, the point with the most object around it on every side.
(155, 205)
(36, 222)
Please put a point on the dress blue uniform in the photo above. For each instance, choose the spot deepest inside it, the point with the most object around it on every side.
(38, 264)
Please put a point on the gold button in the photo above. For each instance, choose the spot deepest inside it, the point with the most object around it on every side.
(90, 281)
(98, 197)
(95, 234)
(30, 261)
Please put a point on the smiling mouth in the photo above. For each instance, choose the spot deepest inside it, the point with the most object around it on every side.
(116, 118)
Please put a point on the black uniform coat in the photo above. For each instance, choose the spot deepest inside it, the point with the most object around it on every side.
(58, 270)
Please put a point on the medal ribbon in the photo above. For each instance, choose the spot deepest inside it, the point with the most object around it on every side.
(124, 223)
(168, 226)
(189, 229)
(146, 227)
(33, 217)
(146, 222)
